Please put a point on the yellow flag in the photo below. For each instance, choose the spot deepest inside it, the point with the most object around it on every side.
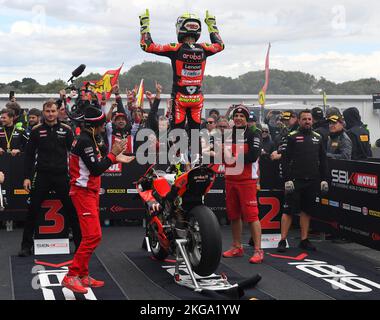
(262, 98)
(140, 95)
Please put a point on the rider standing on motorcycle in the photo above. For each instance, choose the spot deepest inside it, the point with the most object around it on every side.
(189, 63)
(241, 190)
(86, 168)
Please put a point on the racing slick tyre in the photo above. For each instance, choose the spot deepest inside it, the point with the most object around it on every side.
(205, 241)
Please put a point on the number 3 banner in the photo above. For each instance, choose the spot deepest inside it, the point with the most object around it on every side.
(52, 232)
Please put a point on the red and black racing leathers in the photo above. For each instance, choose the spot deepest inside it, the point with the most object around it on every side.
(189, 64)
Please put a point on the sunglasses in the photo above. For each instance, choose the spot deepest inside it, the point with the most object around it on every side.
(210, 122)
(265, 131)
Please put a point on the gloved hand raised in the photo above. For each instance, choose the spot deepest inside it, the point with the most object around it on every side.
(145, 22)
(324, 187)
(211, 23)
(289, 187)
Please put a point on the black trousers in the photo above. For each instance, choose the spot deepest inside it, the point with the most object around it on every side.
(43, 184)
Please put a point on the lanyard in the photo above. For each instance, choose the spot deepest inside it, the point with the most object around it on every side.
(9, 140)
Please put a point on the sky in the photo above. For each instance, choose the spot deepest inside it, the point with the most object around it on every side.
(46, 40)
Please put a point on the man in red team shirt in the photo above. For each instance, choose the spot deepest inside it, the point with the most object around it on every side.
(241, 189)
(86, 167)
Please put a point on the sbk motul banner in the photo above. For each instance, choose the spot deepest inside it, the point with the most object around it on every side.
(352, 207)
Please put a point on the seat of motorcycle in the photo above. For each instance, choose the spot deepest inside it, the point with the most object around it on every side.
(162, 186)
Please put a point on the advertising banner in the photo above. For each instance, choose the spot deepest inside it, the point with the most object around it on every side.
(350, 209)
(352, 206)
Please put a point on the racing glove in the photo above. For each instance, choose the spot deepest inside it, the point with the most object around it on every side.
(145, 22)
(324, 187)
(211, 23)
(289, 187)
(154, 208)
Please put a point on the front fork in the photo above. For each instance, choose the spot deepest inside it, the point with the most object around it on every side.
(162, 238)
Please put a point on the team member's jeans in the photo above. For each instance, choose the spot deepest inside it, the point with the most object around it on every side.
(86, 203)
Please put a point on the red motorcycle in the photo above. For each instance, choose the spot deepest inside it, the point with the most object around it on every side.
(182, 217)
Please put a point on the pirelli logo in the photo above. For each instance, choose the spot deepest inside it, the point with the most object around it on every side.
(374, 213)
(325, 202)
(20, 192)
(190, 99)
(116, 191)
(364, 138)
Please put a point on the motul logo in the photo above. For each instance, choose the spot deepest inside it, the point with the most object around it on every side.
(357, 179)
(116, 168)
(365, 180)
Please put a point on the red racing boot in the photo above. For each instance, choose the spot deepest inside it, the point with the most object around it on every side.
(258, 257)
(74, 284)
(89, 282)
(234, 253)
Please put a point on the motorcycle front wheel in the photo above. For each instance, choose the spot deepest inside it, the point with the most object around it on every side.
(205, 241)
(158, 251)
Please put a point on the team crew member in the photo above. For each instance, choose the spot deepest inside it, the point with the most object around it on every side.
(289, 123)
(359, 134)
(189, 63)
(241, 190)
(46, 170)
(12, 139)
(320, 124)
(304, 166)
(86, 167)
(34, 119)
(339, 144)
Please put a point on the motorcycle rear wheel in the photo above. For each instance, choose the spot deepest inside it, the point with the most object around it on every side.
(205, 241)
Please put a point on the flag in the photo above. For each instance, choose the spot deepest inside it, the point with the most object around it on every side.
(140, 95)
(324, 99)
(263, 92)
(106, 83)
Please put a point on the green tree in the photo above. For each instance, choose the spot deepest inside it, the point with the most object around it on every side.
(281, 82)
(29, 85)
(55, 86)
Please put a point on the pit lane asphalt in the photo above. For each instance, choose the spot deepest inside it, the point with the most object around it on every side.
(117, 240)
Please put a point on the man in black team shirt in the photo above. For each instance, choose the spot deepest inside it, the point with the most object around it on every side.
(304, 164)
(12, 140)
(50, 142)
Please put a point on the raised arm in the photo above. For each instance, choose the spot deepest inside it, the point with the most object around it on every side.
(147, 44)
(216, 40)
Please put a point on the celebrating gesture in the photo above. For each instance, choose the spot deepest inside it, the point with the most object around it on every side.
(188, 61)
